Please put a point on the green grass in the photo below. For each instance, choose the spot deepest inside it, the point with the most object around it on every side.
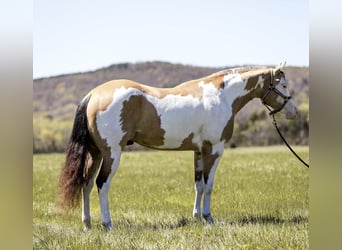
(260, 201)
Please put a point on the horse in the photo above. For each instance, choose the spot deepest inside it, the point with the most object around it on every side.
(197, 115)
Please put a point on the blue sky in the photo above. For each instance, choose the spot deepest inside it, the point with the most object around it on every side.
(74, 36)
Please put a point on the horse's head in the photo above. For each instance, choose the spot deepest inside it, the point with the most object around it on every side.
(277, 94)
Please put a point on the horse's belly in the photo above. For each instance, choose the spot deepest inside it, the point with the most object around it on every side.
(171, 140)
(174, 144)
(170, 135)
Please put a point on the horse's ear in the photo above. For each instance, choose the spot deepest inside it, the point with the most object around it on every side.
(280, 66)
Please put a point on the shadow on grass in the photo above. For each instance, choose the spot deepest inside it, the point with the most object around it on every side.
(180, 222)
(183, 222)
(269, 219)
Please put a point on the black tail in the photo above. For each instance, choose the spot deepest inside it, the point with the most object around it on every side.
(71, 179)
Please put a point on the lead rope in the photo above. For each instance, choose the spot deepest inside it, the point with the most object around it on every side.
(282, 137)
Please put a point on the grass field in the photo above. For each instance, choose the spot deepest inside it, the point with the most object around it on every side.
(260, 201)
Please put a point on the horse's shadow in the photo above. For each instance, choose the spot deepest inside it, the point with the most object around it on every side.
(185, 221)
(269, 219)
(179, 223)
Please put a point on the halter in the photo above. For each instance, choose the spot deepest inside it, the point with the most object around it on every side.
(274, 89)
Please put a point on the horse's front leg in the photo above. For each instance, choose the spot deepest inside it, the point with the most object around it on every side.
(199, 184)
(211, 156)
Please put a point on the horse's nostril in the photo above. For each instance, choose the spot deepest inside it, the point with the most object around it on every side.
(291, 116)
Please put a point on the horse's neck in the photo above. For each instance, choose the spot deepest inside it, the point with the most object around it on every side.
(239, 94)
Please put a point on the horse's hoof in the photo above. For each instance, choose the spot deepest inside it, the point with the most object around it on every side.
(87, 225)
(197, 216)
(107, 226)
(208, 218)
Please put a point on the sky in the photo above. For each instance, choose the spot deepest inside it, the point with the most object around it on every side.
(72, 36)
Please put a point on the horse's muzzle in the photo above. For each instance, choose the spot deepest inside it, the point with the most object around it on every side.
(291, 115)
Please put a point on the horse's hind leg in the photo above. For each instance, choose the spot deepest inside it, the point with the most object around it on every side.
(94, 160)
(108, 169)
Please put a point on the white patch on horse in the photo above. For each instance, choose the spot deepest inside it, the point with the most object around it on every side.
(260, 82)
(211, 95)
(233, 89)
(281, 89)
(184, 115)
(177, 114)
(217, 148)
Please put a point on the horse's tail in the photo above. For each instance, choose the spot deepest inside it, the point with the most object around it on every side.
(72, 178)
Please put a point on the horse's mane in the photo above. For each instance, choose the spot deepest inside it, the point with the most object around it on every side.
(248, 70)
(237, 70)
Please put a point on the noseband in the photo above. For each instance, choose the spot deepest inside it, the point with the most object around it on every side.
(274, 89)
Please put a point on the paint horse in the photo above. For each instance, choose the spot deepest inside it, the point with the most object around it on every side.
(197, 115)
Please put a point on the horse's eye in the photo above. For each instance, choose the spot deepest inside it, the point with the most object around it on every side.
(284, 86)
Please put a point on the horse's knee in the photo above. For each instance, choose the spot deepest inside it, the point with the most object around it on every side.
(208, 189)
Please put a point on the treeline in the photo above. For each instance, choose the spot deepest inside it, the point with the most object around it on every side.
(55, 100)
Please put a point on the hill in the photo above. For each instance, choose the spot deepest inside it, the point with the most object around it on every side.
(55, 100)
